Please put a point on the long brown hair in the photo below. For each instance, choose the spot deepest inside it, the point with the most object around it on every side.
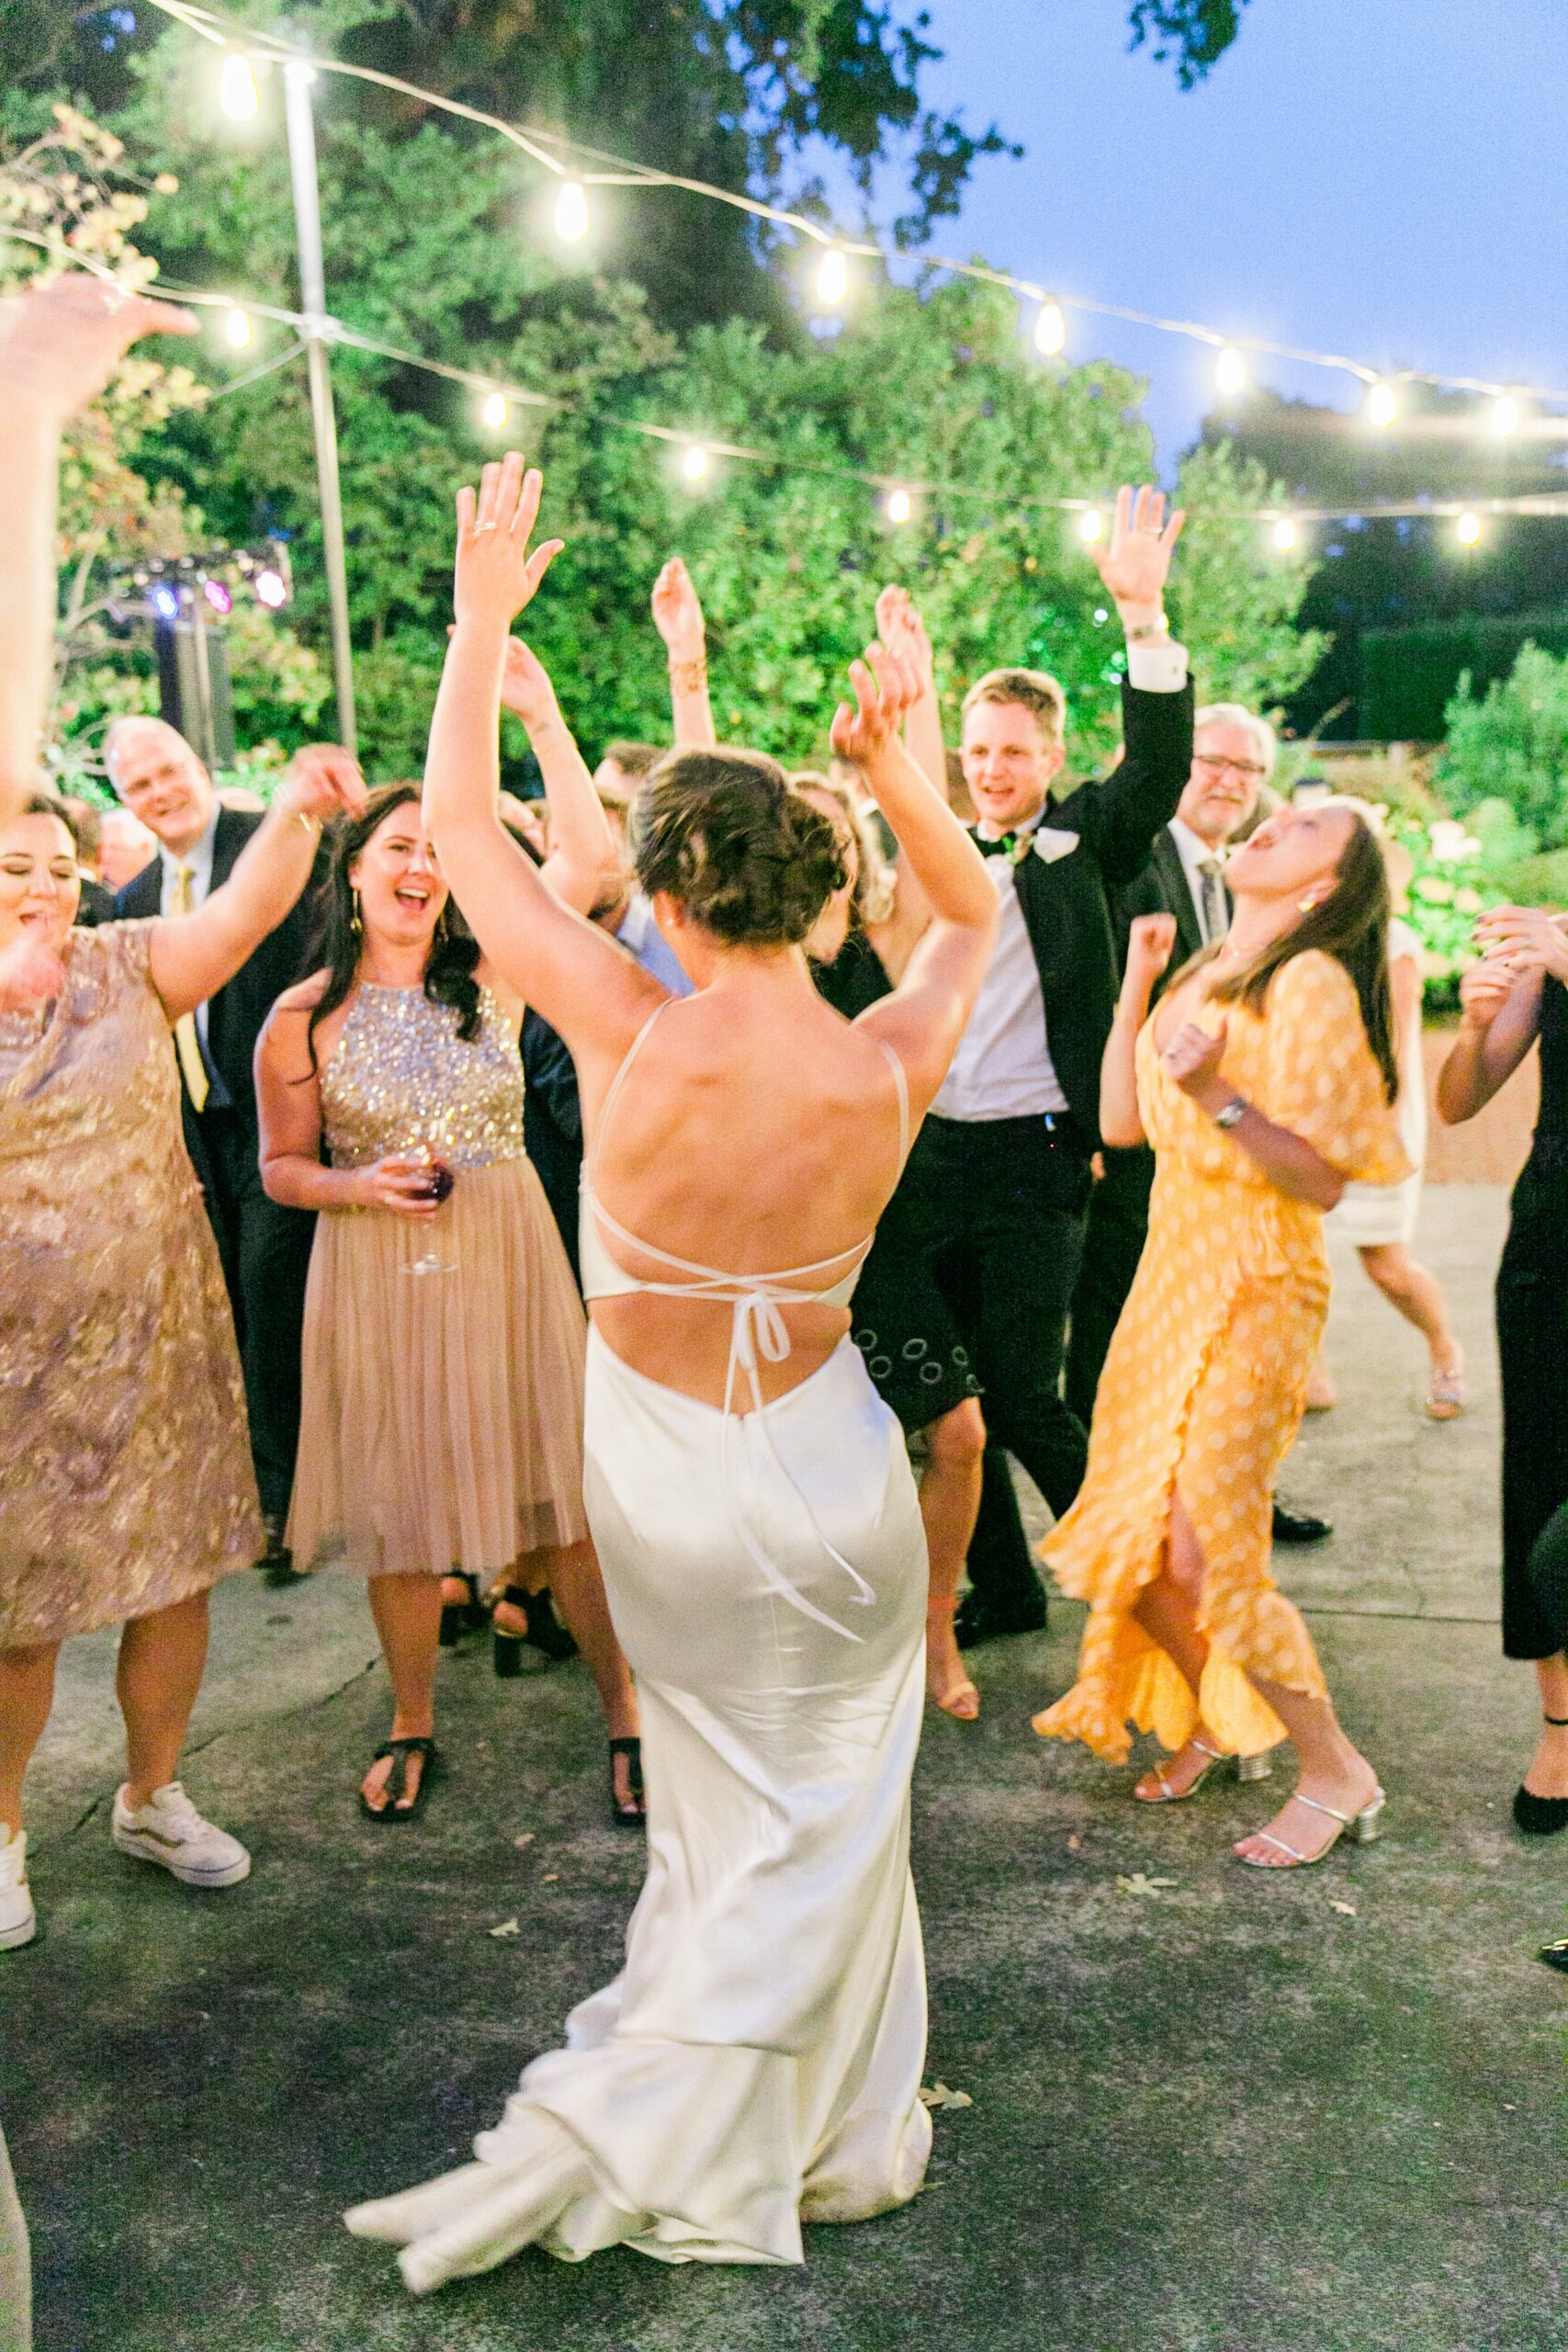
(453, 951)
(1351, 925)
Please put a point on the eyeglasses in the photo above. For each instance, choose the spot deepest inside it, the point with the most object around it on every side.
(1213, 761)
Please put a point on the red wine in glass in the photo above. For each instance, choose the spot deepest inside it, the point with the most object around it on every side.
(439, 1183)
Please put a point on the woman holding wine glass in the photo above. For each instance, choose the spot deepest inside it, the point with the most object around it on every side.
(443, 1339)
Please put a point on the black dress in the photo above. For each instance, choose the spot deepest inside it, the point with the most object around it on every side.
(1532, 1342)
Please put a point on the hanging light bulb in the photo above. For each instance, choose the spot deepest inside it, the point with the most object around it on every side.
(1284, 533)
(1383, 405)
(1230, 372)
(1091, 525)
(833, 278)
(271, 588)
(1050, 328)
(237, 92)
(494, 410)
(571, 212)
(1505, 415)
(1467, 530)
(237, 329)
(900, 506)
(695, 461)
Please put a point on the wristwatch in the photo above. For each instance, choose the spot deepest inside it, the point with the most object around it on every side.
(1230, 1114)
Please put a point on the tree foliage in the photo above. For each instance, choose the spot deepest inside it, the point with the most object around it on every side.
(1194, 33)
(1512, 745)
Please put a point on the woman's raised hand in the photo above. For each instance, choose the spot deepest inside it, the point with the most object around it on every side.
(1135, 562)
(901, 630)
(325, 781)
(885, 685)
(1193, 1057)
(497, 576)
(677, 613)
(525, 687)
(1151, 943)
(59, 343)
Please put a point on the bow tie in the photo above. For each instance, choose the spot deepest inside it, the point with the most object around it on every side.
(1002, 848)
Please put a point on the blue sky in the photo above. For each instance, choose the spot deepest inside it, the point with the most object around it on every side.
(1380, 178)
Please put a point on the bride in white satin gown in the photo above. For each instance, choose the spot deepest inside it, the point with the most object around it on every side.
(758, 2061)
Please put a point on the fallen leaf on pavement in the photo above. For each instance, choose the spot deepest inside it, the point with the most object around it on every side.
(507, 1927)
(1139, 1884)
(1348, 1909)
(938, 2094)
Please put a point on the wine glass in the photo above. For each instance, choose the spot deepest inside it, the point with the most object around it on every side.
(440, 1179)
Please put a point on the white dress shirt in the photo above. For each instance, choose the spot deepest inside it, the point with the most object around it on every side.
(1003, 1068)
(1195, 853)
(198, 859)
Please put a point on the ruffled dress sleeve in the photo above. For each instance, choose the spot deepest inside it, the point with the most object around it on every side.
(1321, 1079)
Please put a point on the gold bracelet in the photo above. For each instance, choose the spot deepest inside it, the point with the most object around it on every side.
(312, 824)
(686, 677)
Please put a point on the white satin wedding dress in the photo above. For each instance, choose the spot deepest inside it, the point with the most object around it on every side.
(757, 2063)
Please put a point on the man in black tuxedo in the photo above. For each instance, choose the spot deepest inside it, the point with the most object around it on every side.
(265, 1249)
(992, 1203)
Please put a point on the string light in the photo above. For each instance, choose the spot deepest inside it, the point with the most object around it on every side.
(695, 461)
(237, 328)
(1505, 418)
(271, 589)
(237, 92)
(833, 278)
(1284, 533)
(1383, 405)
(544, 148)
(217, 596)
(1091, 525)
(166, 604)
(1051, 328)
(1467, 530)
(494, 410)
(900, 507)
(1230, 372)
(571, 212)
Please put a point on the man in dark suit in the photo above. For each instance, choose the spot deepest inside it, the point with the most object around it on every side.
(264, 1248)
(992, 1202)
(1232, 755)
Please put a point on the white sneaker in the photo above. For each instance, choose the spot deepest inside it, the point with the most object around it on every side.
(168, 1830)
(18, 1920)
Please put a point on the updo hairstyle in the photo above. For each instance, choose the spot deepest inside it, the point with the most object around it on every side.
(748, 858)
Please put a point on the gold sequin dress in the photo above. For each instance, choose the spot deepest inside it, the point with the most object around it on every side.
(442, 1420)
(125, 1471)
(1204, 1383)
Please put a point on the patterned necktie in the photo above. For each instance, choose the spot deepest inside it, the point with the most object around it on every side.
(187, 1045)
(1215, 917)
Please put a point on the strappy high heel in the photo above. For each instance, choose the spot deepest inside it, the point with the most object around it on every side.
(544, 1631)
(1247, 1768)
(1541, 1817)
(461, 1617)
(1360, 1827)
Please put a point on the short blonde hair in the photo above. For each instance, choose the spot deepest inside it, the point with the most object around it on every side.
(1236, 714)
(1038, 692)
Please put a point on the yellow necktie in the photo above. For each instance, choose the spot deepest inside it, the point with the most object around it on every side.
(187, 1045)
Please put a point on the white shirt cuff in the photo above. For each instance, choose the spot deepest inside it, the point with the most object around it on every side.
(1158, 668)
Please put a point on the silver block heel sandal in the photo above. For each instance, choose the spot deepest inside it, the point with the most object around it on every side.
(1360, 1827)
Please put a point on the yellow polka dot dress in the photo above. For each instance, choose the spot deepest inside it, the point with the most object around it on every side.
(1203, 1385)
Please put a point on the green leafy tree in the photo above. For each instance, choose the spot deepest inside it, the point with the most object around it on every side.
(1194, 34)
(1512, 745)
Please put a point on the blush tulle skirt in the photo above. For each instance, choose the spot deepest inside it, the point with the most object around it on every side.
(757, 2063)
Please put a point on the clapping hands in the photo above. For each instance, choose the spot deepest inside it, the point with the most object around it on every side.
(497, 577)
(885, 685)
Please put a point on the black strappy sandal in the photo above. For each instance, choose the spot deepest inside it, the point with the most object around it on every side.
(400, 1751)
(1541, 1817)
(545, 1632)
(632, 1815)
(459, 1617)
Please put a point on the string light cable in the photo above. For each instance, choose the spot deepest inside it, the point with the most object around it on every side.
(579, 166)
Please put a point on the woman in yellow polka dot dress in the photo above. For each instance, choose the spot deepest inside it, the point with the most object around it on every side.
(1264, 1082)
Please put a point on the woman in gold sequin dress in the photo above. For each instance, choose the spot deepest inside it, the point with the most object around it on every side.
(1264, 1082)
(126, 1489)
(444, 1342)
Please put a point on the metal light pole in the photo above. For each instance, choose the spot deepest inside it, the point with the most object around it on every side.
(317, 330)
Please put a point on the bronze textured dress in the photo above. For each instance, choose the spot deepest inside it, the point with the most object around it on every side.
(125, 1473)
(442, 1423)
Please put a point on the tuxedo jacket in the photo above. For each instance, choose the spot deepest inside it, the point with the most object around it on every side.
(1090, 848)
(1162, 889)
(236, 1014)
